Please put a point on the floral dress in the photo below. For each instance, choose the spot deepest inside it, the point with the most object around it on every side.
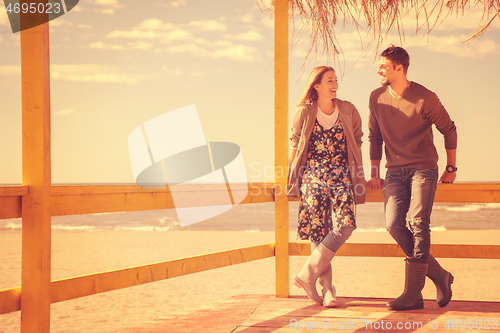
(326, 181)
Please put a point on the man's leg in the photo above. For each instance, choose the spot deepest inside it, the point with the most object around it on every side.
(424, 183)
(397, 194)
(423, 188)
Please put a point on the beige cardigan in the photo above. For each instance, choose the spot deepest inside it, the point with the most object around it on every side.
(302, 124)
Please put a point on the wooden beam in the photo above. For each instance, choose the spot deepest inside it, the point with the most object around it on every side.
(11, 201)
(452, 193)
(89, 199)
(468, 193)
(10, 300)
(465, 251)
(11, 191)
(393, 250)
(69, 200)
(66, 289)
(10, 207)
(281, 145)
(36, 173)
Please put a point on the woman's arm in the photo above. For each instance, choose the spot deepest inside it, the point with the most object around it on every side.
(357, 126)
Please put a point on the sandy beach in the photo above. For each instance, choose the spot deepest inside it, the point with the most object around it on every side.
(80, 253)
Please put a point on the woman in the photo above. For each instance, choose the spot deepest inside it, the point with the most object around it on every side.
(326, 172)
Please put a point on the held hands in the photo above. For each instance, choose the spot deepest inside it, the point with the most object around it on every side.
(376, 183)
(448, 177)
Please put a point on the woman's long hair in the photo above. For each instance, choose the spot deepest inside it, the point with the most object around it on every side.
(310, 94)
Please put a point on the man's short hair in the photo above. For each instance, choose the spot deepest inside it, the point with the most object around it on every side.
(398, 56)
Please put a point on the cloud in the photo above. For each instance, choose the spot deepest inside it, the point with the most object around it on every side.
(63, 112)
(223, 49)
(174, 71)
(140, 45)
(247, 36)
(207, 25)
(191, 48)
(93, 73)
(238, 52)
(134, 34)
(172, 35)
(109, 11)
(247, 18)
(106, 7)
(84, 73)
(101, 45)
(453, 45)
(60, 23)
(154, 24)
(112, 3)
(175, 4)
(184, 38)
(196, 73)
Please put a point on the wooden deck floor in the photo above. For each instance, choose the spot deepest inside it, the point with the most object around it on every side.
(266, 313)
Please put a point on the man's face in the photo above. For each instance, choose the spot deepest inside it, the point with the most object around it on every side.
(387, 71)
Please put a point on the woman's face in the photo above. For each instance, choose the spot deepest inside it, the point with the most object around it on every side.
(328, 86)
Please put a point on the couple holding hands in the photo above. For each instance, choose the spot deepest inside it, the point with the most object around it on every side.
(326, 173)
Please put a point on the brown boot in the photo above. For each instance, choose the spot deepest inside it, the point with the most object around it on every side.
(315, 265)
(442, 280)
(411, 298)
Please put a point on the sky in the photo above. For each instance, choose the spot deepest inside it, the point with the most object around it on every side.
(115, 64)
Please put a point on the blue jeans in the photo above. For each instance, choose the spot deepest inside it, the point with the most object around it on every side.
(409, 193)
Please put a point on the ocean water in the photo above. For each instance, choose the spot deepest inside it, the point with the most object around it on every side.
(260, 217)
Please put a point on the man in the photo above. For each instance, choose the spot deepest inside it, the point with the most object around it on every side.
(401, 117)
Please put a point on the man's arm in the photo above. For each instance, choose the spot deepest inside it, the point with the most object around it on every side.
(375, 183)
(451, 159)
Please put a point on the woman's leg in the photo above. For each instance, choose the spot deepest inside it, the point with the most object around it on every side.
(316, 264)
(342, 211)
(313, 209)
(325, 280)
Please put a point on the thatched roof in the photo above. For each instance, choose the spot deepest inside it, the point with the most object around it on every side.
(319, 18)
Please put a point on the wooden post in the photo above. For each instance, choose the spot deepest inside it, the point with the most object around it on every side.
(281, 145)
(35, 76)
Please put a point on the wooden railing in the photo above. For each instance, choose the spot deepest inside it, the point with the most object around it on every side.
(90, 199)
(68, 200)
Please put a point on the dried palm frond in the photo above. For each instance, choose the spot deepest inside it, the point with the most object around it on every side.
(376, 18)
